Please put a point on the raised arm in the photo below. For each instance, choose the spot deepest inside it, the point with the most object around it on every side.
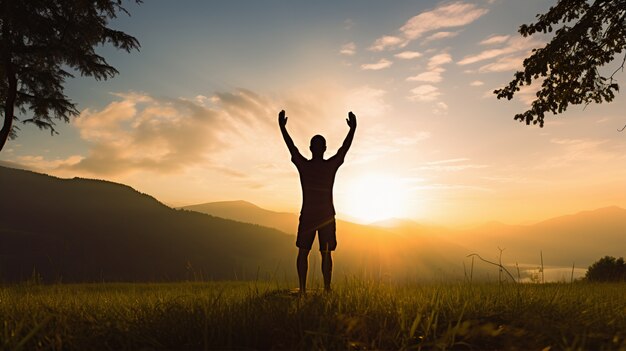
(343, 150)
(282, 122)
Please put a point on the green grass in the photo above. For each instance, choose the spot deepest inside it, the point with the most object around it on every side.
(358, 315)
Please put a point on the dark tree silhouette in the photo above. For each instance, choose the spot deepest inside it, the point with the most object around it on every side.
(607, 269)
(590, 35)
(41, 41)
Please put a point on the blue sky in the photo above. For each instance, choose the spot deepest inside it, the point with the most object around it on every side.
(191, 116)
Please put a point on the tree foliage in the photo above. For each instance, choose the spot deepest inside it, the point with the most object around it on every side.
(590, 34)
(41, 42)
(607, 269)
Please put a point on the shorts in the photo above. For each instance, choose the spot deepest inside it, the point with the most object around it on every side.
(326, 230)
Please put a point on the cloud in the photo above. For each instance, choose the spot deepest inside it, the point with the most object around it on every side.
(432, 76)
(450, 15)
(348, 49)
(508, 57)
(228, 133)
(381, 64)
(142, 132)
(39, 163)
(477, 83)
(495, 39)
(504, 64)
(387, 41)
(438, 60)
(425, 93)
(439, 36)
(527, 93)
(445, 16)
(408, 55)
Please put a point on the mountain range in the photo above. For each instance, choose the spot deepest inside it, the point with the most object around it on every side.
(578, 239)
(77, 230)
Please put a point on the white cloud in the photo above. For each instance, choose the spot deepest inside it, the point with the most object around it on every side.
(387, 41)
(445, 16)
(438, 60)
(142, 132)
(439, 36)
(432, 76)
(495, 39)
(450, 15)
(508, 57)
(504, 64)
(381, 64)
(348, 49)
(477, 83)
(425, 93)
(408, 55)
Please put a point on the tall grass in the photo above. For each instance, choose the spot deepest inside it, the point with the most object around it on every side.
(357, 315)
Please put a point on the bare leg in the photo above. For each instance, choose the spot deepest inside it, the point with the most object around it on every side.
(327, 268)
(302, 264)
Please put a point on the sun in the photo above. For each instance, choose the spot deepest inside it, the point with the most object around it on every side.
(374, 198)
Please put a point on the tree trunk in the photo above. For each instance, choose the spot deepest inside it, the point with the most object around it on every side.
(9, 103)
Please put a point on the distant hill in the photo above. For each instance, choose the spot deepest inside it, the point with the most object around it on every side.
(580, 238)
(244, 211)
(93, 230)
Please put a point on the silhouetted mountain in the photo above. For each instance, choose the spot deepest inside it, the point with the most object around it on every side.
(244, 211)
(91, 230)
(582, 238)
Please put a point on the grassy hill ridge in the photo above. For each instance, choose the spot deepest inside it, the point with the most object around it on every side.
(91, 230)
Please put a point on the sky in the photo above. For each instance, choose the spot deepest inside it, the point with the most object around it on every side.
(192, 116)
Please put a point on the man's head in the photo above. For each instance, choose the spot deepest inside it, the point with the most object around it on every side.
(318, 146)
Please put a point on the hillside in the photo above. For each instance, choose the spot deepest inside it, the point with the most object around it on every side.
(244, 211)
(579, 238)
(92, 230)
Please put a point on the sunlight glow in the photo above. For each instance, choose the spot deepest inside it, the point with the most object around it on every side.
(374, 198)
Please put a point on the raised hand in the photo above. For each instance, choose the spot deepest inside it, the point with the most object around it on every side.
(282, 120)
(351, 120)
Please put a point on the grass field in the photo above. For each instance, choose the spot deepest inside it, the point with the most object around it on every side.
(357, 315)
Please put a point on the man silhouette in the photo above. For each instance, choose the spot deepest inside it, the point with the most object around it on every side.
(317, 176)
